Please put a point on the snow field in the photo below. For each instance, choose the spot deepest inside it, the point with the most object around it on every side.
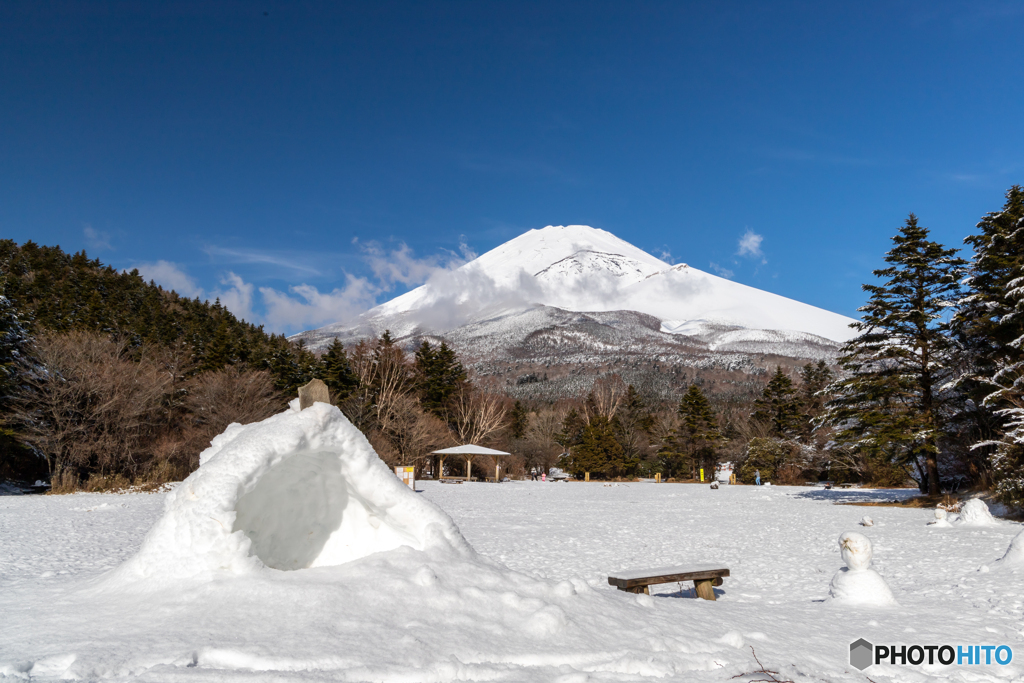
(533, 606)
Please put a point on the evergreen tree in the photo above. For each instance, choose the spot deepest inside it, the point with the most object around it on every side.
(634, 423)
(573, 425)
(698, 433)
(889, 405)
(439, 376)
(337, 372)
(779, 406)
(599, 452)
(814, 379)
(518, 421)
(990, 329)
(14, 341)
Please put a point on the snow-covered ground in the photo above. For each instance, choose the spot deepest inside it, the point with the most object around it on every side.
(535, 607)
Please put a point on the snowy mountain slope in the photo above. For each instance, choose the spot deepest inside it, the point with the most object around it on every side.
(589, 290)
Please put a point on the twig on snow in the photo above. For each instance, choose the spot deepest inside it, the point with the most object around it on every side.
(772, 675)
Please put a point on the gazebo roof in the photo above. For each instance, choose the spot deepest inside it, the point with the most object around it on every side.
(469, 449)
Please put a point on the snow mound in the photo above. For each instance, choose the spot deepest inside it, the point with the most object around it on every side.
(297, 490)
(857, 583)
(1014, 556)
(975, 513)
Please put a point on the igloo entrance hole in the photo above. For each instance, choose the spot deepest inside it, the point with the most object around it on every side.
(294, 509)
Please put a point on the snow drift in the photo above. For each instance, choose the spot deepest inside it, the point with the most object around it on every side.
(975, 513)
(297, 490)
(1014, 556)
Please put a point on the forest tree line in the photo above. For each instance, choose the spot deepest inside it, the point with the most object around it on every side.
(106, 377)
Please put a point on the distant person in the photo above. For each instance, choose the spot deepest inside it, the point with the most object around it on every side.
(757, 477)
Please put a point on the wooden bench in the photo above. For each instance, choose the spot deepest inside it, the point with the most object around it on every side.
(704, 578)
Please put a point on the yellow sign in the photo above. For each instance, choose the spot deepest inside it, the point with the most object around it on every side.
(407, 475)
(702, 474)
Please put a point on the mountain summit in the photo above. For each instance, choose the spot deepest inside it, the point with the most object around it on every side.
(581, 269)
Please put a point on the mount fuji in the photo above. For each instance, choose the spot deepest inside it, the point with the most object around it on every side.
(579, 295)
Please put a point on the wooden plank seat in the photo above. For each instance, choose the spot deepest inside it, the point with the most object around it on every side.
(704, 577)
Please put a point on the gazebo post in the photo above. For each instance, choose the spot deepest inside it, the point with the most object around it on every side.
(440, 467)
(469, 467)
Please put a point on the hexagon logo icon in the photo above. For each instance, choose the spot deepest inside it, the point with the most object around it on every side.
(862, 654)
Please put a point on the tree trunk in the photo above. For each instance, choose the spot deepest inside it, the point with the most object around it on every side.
(932, 466)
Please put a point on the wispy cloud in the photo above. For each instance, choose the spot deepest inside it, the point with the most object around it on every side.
(170, 276)
(96, 239)
(722, 272)
(295, 262)
(750, 245)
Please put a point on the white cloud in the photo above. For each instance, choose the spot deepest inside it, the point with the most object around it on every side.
(750, 245)
(722, 272)
(401, 266)
(312, 308)
(296, 262)
(237, 298)
(95, 239)
(170, 276)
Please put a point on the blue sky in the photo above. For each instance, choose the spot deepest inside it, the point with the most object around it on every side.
(305, 160)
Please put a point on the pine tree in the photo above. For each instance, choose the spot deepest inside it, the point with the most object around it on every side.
(779, 406)
(889, 405)
(337, 372)
(990, 328)
(439, 376)
(518, 421)
(698, 433)
(599, 452)
(634, 423)
(14, 342)
(813, 381)
(573, 425)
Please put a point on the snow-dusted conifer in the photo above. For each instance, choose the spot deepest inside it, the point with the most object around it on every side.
(990, 329)
(888, 406)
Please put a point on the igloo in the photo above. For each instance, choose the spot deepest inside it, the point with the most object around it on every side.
(298, 490)
(857, 583)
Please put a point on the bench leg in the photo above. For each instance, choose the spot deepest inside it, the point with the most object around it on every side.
(705, 589)
(646, 590)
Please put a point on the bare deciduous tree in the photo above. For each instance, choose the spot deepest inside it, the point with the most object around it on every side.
(477, 415)
(88, 406)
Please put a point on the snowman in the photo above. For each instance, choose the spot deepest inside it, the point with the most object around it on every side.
(940, 518)
(857, 583)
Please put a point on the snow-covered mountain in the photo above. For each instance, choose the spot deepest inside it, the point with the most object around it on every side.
(566, 303)
(583, 269)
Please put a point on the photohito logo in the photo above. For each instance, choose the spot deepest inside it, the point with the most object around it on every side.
(863, 654)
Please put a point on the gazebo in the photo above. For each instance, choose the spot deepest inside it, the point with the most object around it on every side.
(468, 451)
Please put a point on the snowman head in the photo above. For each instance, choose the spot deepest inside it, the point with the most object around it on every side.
(856, 550)
(940, 513)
